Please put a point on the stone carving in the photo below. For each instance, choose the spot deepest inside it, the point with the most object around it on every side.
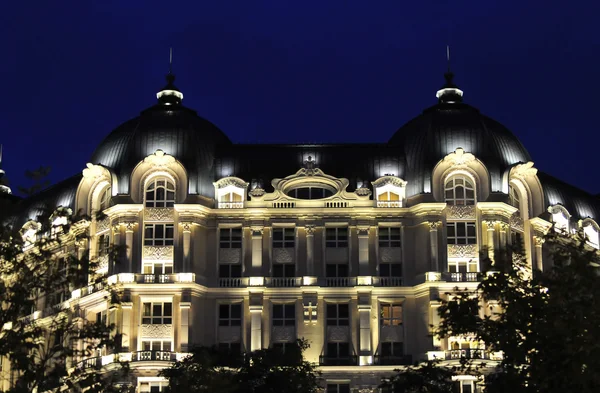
(459, 157)
(390, 254)
(283, 334)
(310, 229)
(159, 159)
(186, 226)
(503, 226)
(257, 192)
(231, 181)
(158, 253)
(389, 179)
(338, 334)
(516, 221)
(523, 171)
(102, 225)
(159, 214)
(363, 192)
(230, 255)
(156, 331)
(93, 172)
(230, 334)
(539, 241)
(434, 225)
(362, 230)
(283, 255)
(462, 251)
(103, 262)
(458, 212)
(392, 333)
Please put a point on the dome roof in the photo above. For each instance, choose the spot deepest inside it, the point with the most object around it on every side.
(168, 126)
(451, 124)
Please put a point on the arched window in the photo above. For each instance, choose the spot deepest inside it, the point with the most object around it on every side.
(160, 193)
(460, 191)
(515, 198)
(104, 201)
(388, 196)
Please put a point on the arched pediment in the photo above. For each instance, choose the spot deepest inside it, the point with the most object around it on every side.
(460, 161)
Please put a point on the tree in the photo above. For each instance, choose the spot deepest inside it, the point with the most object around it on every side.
(264, 371)
(44, 335)
(546, 324)
(427, 377)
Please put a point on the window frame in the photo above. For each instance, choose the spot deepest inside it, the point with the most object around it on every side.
(153, 187)
(468, 264)
(335, 239)
(153, 240)
(288, 237)
(451, 186)
(329, 387)
(395, 314)
(229, 241)
(456, 238)
(286, 320)
(104, 199)
(231, 273)
(338, 266)
(229, 320)
(387, 238)
(334, 318)
(103, 244)
(162, 319)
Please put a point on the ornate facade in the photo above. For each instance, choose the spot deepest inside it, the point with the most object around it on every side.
(348, 246)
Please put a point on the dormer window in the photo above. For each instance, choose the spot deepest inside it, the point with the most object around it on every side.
(389, 191)
(459, 191)
(160, 193)
(104, 201)
(514, 197)
(230, 192)
(560, 218)
(590, 231)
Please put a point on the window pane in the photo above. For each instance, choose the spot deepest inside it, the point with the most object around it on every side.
(290, 310)
(147, 308)
(236, 311)
(384, 269)
(331, 311)
(168, 309)
(460, 228)
(331, 270)
(236, 271)
(156, 310)
(343, 310)
(224, 311)
(451, 230)
(396, 270)
(344, 349)
(277, 311)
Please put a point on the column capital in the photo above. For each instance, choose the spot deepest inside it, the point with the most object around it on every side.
(490, 224)
(539, 241)
(434, 225)
(310, 229)
(186, 226)
(257, 231)
(129, 226)
(363, 230)
(504, 226)
(116, 228)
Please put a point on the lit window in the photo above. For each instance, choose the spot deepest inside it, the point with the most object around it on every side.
(591, 235)
(465, 266)
(153, 387)
(459, 190)
(514, 197)
(230, 314)
(284, 315)
(338, 314)
(560, 218)
(283, 237)
(157, 313)
(389, 237)
(388, 196)
(158, 234)
(391, 315)
(104, 201)
(461, 233)
(230, 199)
(156, 345)
(160, 193)
(336, 237)
(230, 237)
(103, 245)
(158, 268)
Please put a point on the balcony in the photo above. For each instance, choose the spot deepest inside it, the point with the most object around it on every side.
(462, 277)
(284, 282)
(389, 203)
(139, 356)
(339, 281)
(144, 356)
(235, 282)
(467, 354)
(387, 281)
(392, 360)
(231, 205)
(349, 360)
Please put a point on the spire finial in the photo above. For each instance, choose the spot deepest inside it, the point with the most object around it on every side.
(170, 95)
(448, 56)
(170, 60)
(449, 93)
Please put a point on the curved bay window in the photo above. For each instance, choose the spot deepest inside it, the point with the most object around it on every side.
(104, 201)
(459, 190)
(160, 192)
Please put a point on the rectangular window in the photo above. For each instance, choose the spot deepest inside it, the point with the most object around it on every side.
(101, 317)
(284, 270)
(390, 270)
(153, 387)
(336, 270)
(230, 314)
(156, 345)
(338, 350)
(230, 347)
(466, 266)
(389, 237)
(392, 349)
(284, 315)
(157, 313)
(284, 237)
(336, 237)
(158, 234)
(338, 388)
(391, 314)
(103, 245)
(230, 237)
(461, 233)
(230, 271)
(338, 314)
(158, 268)
(282, 347)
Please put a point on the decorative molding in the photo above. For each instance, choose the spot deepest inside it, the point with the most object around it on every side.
(390, 254)
(257, 192)
(129, 226)
(159, 159)
(363, 192)
(434, 225)
(158, 253)
(283, 334)
(504, 226)
(230, 255)
(186, 226)
(490, 224)
(338, 334)
(389, 179)
(462, 251)
(459, 157)
(93, 172)
(362, 230)
(231, 181)
(283, 255)
(559, 209)
(310, 230)
(116, 228)
(523, 171)
(257, 231)
(160, 214)
(461, 212)
(103, 225)
(156, 331)
(539, 241)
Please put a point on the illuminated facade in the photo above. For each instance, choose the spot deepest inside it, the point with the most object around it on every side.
(348, 246)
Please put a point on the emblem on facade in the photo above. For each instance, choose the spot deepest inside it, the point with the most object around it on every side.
(523, 171)
(462, 250)
(459, 157)
(461, 212)
(159, 159)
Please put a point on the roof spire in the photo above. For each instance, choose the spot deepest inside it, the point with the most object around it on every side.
(449, 93)
(170, 95)
(4, 188)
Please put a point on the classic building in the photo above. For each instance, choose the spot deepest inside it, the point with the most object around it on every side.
(348, 246)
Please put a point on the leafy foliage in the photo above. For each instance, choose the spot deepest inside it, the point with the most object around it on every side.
(263, 371)
(427, 377)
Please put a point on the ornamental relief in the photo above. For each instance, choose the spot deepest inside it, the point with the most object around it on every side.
(338, 334)
(283, 255)
(392, 334)
(462, 251)
(156, 331)
(102, 225)
(230, 255)
(159, 214)
(158, 253)
(458, 212)
(283, 334)
(230, 334)
(516, 222)
(390, 254)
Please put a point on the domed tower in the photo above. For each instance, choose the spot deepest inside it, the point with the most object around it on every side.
(170, 127)
(451, 124)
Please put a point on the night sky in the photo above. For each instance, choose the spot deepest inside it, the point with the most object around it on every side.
(306, 71)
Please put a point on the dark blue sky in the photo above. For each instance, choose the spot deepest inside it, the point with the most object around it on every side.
(310, 71)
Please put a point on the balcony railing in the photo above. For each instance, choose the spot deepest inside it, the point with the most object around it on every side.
(463, 277)
(143, 356)
(387, 281)
(231, 205)
(284, 282)
(392, 360)
(237, 282)
(338, 361)
(389, 204)
(339, 281)
(467, 354)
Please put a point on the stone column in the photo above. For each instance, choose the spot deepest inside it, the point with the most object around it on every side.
(364, 318)
(490, 238)
(185, 326)
(126, 308)
(116, 243)
(187, 235)
(539, 241)
(257, 250)
(435, 321)
(504, 228)
(310, 250)
(255, 327)
(433, 243)
(129, 226)
(363, 250)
